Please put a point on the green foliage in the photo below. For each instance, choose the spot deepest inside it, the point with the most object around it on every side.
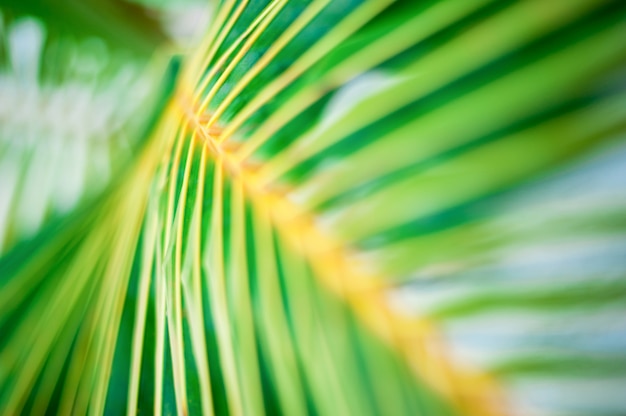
(347, 207)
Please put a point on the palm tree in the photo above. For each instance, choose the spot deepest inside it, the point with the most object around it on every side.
(321, 207)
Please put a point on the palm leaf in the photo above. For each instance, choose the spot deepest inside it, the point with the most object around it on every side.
(346, 208)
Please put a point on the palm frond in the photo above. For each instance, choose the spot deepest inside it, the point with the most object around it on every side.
(349, 208)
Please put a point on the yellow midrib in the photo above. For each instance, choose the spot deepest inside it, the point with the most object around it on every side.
(416, 340)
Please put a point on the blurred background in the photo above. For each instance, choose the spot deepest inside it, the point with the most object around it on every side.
(78, 83)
